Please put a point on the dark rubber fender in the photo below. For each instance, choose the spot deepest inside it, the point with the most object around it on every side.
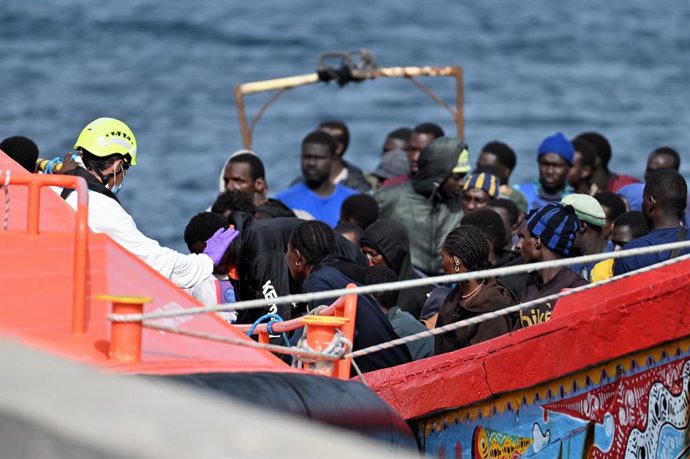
(346, 404)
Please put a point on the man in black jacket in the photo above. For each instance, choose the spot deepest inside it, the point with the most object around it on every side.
(259, 257)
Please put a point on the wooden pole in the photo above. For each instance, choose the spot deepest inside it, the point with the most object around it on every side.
(459, 103)
(241, 113)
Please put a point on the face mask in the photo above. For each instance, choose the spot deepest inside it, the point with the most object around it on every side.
(116, 188)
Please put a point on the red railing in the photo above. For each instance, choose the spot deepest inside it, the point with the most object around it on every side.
(35, 182)
(344, 306)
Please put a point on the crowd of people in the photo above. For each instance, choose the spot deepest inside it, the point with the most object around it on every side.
(425, 210)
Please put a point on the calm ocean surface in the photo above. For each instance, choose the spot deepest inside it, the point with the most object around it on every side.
(168, 70)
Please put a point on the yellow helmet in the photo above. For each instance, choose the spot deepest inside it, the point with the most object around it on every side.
(107, 136)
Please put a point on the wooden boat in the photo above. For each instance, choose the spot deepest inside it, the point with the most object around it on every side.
(607, 376)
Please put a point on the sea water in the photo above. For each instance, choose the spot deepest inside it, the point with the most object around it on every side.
(168, 69)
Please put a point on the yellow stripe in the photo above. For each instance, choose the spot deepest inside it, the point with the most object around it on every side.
(492, 186)
(480, 181)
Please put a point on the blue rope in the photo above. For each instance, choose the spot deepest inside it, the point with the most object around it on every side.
(51, 164)
(273, 318)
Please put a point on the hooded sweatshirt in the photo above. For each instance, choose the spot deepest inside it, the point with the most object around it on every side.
(419, 206)
(390, 239)
(272, 208)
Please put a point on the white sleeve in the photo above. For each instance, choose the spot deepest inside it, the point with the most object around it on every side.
(107, 216)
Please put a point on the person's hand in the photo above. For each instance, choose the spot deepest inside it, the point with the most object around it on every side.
(219, 243)
(69, 162)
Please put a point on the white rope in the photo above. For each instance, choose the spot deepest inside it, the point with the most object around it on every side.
(6, 188)
(445, 279)
(314, 356)
(503, 312)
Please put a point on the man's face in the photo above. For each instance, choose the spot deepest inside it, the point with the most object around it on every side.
(621, 235)
(374, 256)
(553, 171)
(489, 159)
(452, 185)
(527, 244)
(237, 176)
(316, 164)
(658, 162)
(394, 144)
(474, 198)
(417, 143)
(574, 173)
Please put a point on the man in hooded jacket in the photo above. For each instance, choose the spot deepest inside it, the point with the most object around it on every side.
(430, 204)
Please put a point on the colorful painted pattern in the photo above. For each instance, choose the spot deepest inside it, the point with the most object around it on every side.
(636, 407)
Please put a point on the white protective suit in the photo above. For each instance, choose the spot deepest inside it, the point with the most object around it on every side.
(107, 216)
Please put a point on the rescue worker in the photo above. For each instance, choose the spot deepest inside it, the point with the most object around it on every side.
(107, 149)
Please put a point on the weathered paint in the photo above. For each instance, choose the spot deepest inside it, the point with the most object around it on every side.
(640, 409)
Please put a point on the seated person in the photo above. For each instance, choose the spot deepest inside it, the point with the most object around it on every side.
(21, 149)
(510, 214)
(663, 203)
(590, 238)
(359, 209)
(403, 322)
(258, 257)
(626, 227)
(312, 261)
(547, 234)
(555, 157)
(429, 204)
(317, 195)
(231, 201)
(244, 171)
(386, 243)
(605, 179)
(344, 172)
(201, 228)
(491, 224)
(613, 206)
(466, 249)
(479, 189)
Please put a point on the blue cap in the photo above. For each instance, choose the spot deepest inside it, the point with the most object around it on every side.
(559, 145)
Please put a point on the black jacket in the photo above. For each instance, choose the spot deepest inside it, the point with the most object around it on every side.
(389, 237)
(273, 208)
(260, 253)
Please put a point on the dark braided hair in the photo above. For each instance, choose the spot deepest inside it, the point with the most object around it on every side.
(314, 239)
(470, 245)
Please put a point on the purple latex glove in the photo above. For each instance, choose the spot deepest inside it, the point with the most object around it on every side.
(219, 243)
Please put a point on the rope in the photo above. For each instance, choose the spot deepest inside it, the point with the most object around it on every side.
(6, 188)
(445, 279)
(269, 326)
(51, 166)
(503, 312)
(240, 342)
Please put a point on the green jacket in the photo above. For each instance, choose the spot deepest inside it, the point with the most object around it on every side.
(418, 205)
